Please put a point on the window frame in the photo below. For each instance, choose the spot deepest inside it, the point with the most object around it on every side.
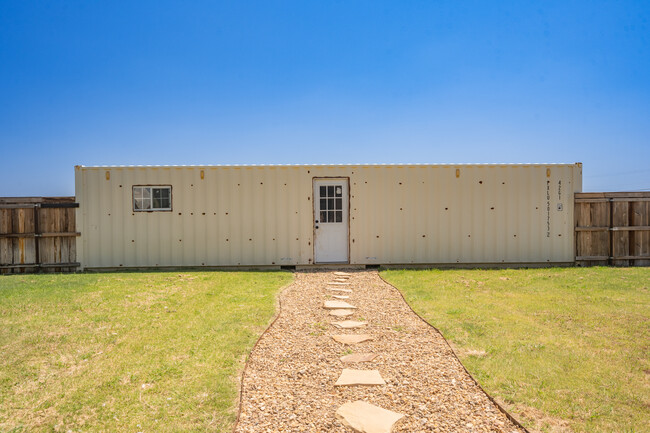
(152, 209)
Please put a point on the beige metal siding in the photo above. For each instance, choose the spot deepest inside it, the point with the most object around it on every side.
(489, 214)
(262, 215)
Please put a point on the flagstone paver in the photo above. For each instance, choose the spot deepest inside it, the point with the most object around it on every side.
(341, 313)
(350, 377)
(337, 289)
(288, 382)
(358, 357)
(338, 283)
(349, 324)
(340, 296)
(342, 274)
(364, 417)
(351, 338)
(336, 305)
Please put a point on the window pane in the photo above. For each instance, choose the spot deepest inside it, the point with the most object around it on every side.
(323, 203)
(339, 191)
(330, 204)
(330, 216)
(339, 216)
(323, 192)
(330, 191)
(339, 204)
(323, 216)
(160, 201)
(152, 198)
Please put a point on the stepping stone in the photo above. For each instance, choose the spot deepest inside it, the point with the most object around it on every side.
(335, 305)
(351, 338)
(336, 289)
(337, 283)
(341, 313)
(364, 417)
(340, 280)
(340, 296)
(342, 274)
(359, 357)
(359, 377)
(349, 324)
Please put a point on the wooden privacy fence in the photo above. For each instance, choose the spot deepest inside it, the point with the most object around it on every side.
(38, 234)
(612, 228)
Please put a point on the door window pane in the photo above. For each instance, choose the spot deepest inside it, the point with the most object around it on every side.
(331, 203)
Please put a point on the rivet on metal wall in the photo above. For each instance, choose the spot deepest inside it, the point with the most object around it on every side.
(108, 175)
(548, 172)
(202, 174)
(458, 172)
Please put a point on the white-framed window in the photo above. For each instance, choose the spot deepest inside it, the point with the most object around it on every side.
(152, 198)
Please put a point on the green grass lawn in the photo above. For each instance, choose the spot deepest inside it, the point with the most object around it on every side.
(128, 351)
(564, 349)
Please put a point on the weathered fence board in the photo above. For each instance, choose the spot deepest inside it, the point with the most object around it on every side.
(37, 234)
(612, 228)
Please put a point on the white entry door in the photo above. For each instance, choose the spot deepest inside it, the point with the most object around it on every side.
(331, 213)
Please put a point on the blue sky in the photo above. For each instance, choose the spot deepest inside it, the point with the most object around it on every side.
(291, 82)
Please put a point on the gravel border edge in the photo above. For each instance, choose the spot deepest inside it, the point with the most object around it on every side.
(501, 408)
(278, 312)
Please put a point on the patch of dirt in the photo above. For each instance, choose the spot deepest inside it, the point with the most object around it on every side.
(476, 353)
(542, 421)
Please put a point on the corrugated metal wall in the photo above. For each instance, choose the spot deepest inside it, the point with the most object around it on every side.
(262, 215)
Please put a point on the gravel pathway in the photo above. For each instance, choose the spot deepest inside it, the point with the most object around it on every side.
(289, 381)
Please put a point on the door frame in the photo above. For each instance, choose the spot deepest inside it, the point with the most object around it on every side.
(313, 217)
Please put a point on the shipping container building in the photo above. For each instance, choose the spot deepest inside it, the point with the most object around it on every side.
(295, 215)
